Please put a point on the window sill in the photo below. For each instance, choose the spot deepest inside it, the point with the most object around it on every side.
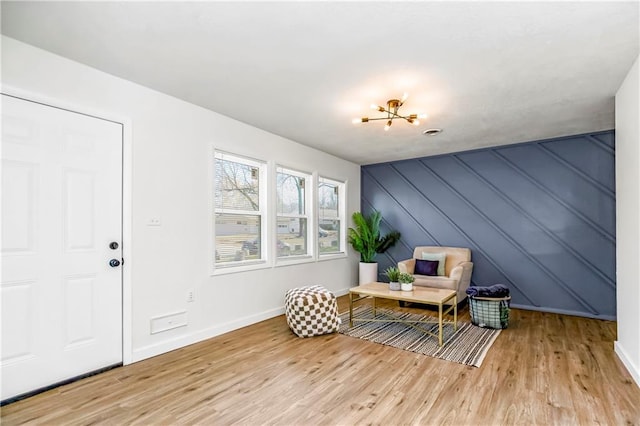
(280, 262)
(293, 260)
(332, 256)
(234, 269)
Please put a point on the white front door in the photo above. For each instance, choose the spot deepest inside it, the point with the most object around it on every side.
(61, 212)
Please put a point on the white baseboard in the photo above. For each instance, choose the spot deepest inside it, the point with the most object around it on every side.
(562, 312)
(341, 292)
(182, 341)
(622, 355)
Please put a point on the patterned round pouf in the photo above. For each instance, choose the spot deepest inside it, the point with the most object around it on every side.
(311, 311)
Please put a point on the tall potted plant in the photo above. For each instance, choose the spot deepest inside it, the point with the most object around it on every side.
(365, 239)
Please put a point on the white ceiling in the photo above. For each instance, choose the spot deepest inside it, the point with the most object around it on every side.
(488, 73)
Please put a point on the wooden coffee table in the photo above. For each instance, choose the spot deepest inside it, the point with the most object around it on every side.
(427, 295)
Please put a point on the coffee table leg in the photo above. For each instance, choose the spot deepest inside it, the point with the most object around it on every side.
(440, 323)
(455, 312)
(374, 306)
(350, 309)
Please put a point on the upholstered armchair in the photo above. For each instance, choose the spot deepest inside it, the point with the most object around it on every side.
(455, 274)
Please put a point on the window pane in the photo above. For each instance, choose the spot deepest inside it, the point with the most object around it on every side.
(292, 236)
(237, 186)
(328, 200)
(291, 190)
(237, 237)
(329, 238)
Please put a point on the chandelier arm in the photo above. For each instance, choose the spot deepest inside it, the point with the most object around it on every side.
(402, 116)
(378, 118)
(391, 115)
(407, 118)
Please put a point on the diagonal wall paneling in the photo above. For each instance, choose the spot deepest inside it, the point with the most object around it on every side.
(538, 217)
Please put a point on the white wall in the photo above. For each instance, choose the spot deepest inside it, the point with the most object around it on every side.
(628, 221)
(172, 144)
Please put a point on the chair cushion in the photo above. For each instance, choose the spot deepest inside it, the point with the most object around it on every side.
(435, 282)
(426, 267)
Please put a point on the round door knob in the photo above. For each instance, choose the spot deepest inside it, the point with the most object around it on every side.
(113, 245)
(114, 262)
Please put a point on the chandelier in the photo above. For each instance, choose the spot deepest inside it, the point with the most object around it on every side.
(393, 105)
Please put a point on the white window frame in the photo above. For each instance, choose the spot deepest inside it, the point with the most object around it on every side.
(308, 214)
(263, 189)
(342, 198)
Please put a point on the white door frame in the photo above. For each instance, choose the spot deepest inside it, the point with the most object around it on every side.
(127, 219)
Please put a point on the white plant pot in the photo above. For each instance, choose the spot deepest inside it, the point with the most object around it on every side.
(406, 286)
(394, 285)
(368, 273)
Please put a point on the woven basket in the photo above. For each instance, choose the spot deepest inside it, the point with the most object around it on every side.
(489, 312)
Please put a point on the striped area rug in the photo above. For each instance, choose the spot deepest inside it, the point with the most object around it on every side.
(468, 345)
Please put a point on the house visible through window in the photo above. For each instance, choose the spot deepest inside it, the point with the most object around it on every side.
(239, 204)
(330, 216)
(292, 217)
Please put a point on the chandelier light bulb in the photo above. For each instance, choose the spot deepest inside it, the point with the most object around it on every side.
(388, 125)
(405, 95)
(356, 120)
(423, 116)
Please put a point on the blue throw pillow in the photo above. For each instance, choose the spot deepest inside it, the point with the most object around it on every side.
(426, 267)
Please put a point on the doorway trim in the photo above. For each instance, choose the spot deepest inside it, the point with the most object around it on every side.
(127, 176)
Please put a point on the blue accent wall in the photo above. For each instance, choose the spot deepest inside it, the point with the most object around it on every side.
(538, 217)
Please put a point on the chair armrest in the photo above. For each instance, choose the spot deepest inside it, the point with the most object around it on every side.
(462, 273)
(407, 266)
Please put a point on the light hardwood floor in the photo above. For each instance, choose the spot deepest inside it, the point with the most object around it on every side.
(544, 369)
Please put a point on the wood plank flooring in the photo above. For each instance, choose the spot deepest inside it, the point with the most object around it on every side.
(544, 369)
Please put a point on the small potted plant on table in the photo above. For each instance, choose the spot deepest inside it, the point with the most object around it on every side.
(393, 273)
(406, 281)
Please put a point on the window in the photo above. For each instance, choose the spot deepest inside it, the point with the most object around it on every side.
(330, 216)
(239, 206)
(292, 217)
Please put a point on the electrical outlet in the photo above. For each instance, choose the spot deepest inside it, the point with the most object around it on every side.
(190, 296)
(154, 221)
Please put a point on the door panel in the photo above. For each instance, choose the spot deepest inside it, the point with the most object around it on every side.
(79, 298)
(18, 206)
(61, 207)
(78, 190)
(16, 305)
